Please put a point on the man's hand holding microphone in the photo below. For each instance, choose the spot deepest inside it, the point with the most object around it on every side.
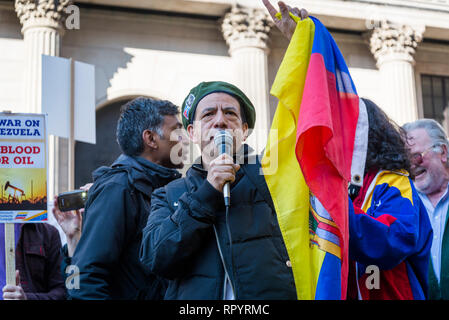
(222, 170)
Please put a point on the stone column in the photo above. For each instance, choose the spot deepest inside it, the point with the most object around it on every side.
(42, 29)
(246, 33)
(393, 45)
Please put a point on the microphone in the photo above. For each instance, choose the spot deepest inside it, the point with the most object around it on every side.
(223, 141)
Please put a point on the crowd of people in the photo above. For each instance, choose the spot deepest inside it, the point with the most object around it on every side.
(148, 233)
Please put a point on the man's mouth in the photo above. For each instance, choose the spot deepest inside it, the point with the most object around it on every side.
(419, 172)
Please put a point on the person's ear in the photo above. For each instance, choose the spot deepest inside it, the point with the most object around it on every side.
(149, 139)
(193, 134)
(245, 131)
(444, 153)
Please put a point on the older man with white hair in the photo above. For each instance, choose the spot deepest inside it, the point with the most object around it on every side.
(430, 165)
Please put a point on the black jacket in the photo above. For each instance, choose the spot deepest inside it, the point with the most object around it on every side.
(38, 259)
(116, 212)
(187, 233)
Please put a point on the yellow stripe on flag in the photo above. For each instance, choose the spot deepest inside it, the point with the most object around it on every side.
(35, 216)
(286, 184)
(328, 246)
(324, 220)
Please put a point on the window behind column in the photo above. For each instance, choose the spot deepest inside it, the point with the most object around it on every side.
(435, 91)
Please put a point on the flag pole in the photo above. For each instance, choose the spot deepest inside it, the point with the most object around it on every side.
(71, 143)
(10, 254)
(10, 248)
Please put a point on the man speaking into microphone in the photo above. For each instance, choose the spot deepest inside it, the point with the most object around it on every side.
(209, 250)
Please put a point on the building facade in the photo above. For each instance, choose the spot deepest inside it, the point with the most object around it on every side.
(397, 52)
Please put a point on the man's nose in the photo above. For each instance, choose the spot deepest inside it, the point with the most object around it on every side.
(220, 121)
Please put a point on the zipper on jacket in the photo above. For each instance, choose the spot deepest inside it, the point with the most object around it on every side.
(224, 267)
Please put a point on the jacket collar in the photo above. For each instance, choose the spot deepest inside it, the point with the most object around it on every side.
(143, 174)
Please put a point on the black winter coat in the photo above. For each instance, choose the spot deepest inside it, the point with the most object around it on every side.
(186, 239)
(38, 258)
(116, 212)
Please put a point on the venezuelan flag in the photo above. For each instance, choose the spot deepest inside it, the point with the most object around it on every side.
(311, 144)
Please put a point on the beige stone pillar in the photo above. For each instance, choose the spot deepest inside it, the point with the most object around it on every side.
(42, 29)
(393, 45)
(246, 33)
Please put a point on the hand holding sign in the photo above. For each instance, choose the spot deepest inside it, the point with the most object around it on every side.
(14, 292)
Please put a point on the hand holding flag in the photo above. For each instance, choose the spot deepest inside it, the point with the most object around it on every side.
(286, 23)
(315, 125)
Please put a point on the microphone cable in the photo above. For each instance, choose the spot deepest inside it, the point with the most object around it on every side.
(228, 229)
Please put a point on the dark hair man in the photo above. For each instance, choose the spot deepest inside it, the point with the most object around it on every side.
(430, 163)
(117, 209)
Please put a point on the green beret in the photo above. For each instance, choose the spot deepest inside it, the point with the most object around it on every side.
(205, 88)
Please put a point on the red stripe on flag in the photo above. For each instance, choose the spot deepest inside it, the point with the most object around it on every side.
(329, 228)
(324, 145)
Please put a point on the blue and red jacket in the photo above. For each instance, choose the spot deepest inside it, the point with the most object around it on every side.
(389, 232)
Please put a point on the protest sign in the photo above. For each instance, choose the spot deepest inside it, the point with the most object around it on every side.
(23, 168)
